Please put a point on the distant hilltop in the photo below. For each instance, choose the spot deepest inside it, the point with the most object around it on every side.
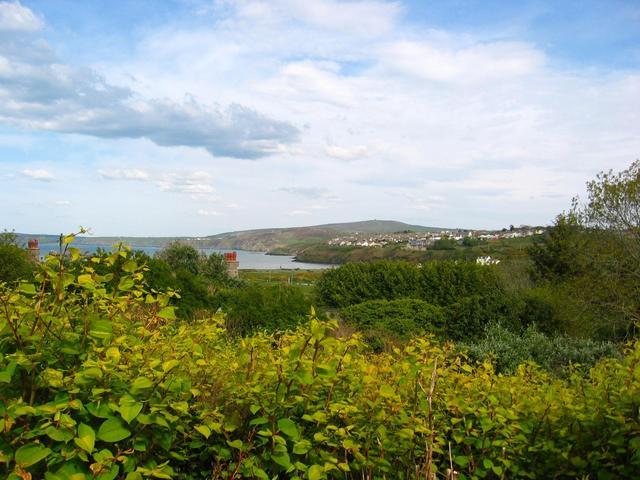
(273, 240)
(288, 241)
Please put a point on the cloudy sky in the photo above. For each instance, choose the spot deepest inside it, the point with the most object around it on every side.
(194, 117)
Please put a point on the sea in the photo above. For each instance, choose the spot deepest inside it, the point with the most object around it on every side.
(248, 260)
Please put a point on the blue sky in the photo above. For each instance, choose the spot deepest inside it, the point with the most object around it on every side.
(196, 117)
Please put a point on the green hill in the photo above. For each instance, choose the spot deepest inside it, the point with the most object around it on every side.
(291, 240)
(285, 241)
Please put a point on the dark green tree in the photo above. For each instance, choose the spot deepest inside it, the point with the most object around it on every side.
(15, 263)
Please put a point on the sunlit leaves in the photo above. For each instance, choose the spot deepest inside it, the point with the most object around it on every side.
(86, 438)
(31, 454)
(113, 430)
(122, 390)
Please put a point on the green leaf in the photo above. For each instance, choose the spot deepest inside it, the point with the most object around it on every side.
(129, 408)
(58, 434)
(101, 329)
(168, 313)
(113, 430)
(31, 454)
(109, 474)
(129, 266)
(305, 377)
(102, 455)
(126, 283)
(86, 438)
(169, 364)
(237, 444)
(289, 428)
(204, 430)
(85, 279)
(141, 383)
(68, 239)
(315, 472)
(100, 409)
(387, 391)
(27, 288)
(281, 458)
(302, 447)
(7, 373)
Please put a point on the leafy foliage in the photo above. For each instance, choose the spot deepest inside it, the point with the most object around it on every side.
(593, 255)
(180, 256)
(269, 308)
(438, 283)
(383, 321)
(557, 354)
(14, 261)
(104, 383)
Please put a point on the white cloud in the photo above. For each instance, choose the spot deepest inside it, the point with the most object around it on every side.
(124, 174)
(393, 119)
(368, 18)
(16, 18)
(38, 91)
(208, 213)
(480, 62)
(310, 192)
(38, 174)
(62, 203)
(197, 182)
(347, 153)
(295, 213)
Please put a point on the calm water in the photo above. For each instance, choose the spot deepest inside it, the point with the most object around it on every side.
(248, 260)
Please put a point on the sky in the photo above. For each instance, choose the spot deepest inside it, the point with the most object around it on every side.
(196, 117)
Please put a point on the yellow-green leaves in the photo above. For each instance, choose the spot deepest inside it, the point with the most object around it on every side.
(86, 438)
(113, 430)
(203, 430)
(31, 454)
(167, 313)
(289, 428)
(140, 384)
(129, 408)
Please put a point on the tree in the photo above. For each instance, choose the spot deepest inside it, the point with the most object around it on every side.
(181, 256)
(592, 254)
(15, 263)
(612, 217)
(560, 253)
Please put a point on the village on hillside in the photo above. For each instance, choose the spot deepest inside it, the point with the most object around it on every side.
(424, 240)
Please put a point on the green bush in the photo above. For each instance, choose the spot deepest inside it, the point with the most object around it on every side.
(554, 353)
(444, 244)
(255, 307)
(384, 321)
(439, 282)
(15, 263)
(195, 293)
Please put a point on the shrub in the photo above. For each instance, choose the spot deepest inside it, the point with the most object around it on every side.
(438, 282)
(15, 263)
(556, 354)
(444, 244)
(383, 321)
(264, 308)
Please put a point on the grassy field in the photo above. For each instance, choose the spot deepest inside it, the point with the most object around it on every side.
(294, 277)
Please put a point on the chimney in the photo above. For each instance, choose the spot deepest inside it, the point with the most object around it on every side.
(231, 258)
(34, 249)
